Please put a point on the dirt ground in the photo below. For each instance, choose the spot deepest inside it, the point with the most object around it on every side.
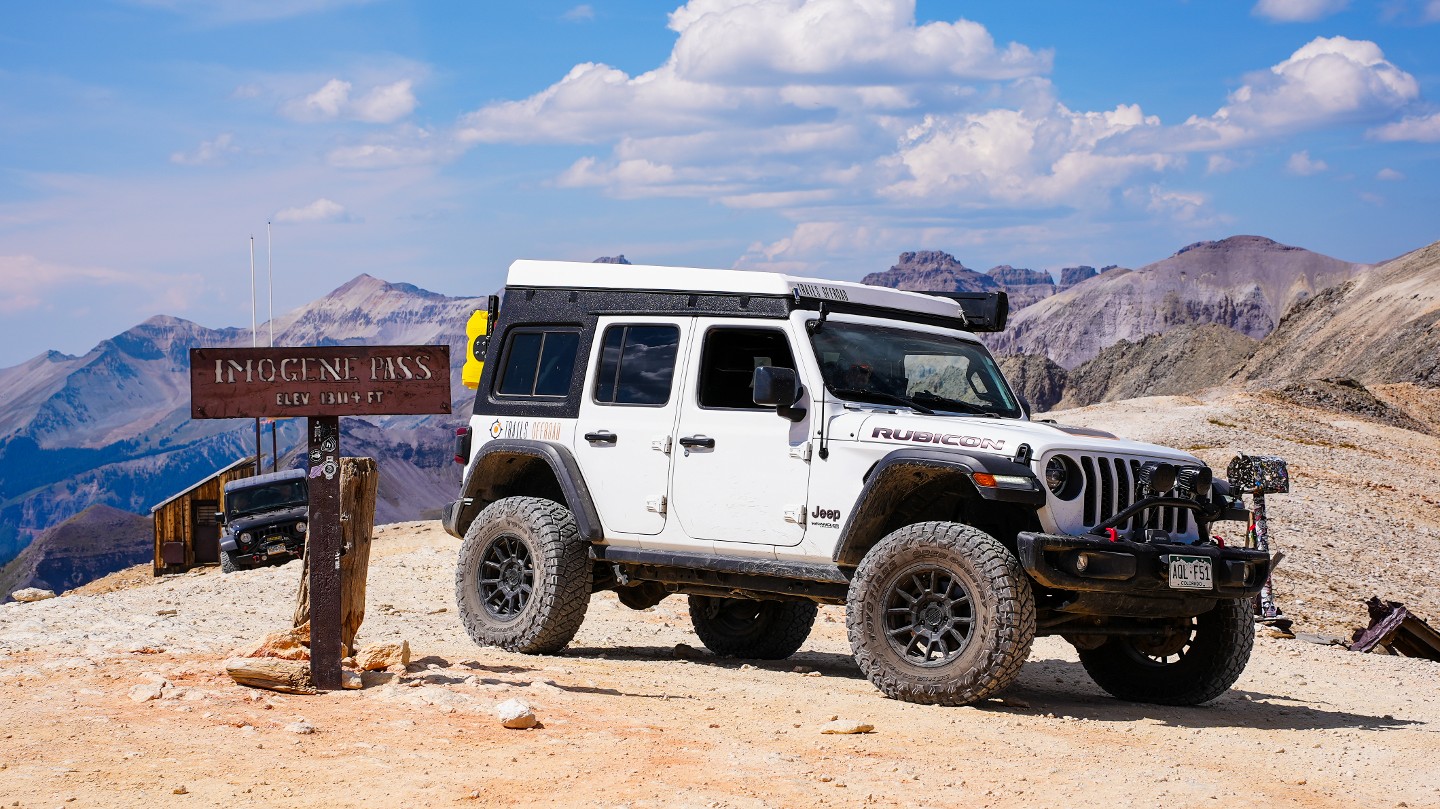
(637, 714)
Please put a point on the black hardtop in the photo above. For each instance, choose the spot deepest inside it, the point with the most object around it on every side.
(266, 479)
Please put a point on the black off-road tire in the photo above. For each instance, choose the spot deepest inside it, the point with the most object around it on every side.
(227, 562)
(940, 613)
(760, 630)
(1195, 665)
(523, 577)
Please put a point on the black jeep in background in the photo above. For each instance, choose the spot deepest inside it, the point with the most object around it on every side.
(265, 520)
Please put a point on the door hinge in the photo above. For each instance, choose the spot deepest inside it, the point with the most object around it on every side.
(795, 514)
(656, 504)
(801, 451)
(661, 444)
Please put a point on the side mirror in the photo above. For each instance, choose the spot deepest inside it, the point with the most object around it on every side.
(779, 388)
(219, 518)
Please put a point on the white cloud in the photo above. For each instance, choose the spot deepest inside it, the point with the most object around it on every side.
(1372, 199)
(1300, 163)
(382, 104)
(27, 283)
(321, 210)
(209, 152)
(1326, 82)
(1425, 129)
(580, 13)
(1389, 175)
(1181, 206)
(1298, 10)
(1220, 164)
(836, 41)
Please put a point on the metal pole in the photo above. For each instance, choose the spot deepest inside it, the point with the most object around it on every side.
(274, 423)
(259, 451)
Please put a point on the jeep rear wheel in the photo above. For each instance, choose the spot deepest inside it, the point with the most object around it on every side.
(523, 578)
(1195, 661)
(761, 630)
(940, 613)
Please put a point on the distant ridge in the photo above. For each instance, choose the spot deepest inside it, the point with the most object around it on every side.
(96, 542)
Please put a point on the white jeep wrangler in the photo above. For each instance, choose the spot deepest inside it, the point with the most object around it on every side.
(765, 444)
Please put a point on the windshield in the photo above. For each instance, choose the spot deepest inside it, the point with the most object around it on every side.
(931, 373)
(274, 497)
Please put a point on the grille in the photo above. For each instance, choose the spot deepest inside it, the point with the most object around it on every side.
(1111, 485)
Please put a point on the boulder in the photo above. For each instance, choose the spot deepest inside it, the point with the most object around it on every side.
(32, 594)
(289, 644)
(516, 714)
(379, 656)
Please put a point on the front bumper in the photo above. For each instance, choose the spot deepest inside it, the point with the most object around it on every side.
(1136, 568)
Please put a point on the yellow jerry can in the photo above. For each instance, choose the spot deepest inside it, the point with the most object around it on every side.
(477, 330)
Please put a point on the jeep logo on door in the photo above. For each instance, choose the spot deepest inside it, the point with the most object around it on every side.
(825, 517)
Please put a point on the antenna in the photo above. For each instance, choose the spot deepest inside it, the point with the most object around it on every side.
(270, 261)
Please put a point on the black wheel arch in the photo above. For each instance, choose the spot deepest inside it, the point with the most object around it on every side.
(905, 477)
(516, 467)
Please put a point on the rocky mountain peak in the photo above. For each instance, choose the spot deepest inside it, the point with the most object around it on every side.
(1237, 243)
(931, 271)
(620, 259)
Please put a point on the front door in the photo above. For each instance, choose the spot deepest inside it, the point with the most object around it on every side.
(740, 473)
(205, 532)
(623, 436)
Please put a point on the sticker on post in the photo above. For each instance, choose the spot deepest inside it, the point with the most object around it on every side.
(1191, 573)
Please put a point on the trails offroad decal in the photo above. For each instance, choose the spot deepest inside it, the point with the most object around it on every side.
(535, 430)
(949, 440)
(822, 517)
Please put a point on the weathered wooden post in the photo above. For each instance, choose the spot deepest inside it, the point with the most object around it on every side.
(359, 485)
(321, 383)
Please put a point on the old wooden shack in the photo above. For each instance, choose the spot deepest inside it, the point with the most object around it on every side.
(187, 533)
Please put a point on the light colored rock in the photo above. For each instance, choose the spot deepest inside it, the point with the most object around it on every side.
(30, 594)
(846, 726)
(516, 714)
(145, 692)
(302, 727)
(379, 656)
(289, 644)
(351, 679)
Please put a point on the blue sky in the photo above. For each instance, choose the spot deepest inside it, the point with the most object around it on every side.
(143, 142)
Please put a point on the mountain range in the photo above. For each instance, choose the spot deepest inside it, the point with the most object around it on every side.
(112, 427)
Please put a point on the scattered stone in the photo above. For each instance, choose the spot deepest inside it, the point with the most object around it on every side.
(516, 714)
(683, 651)
(30, 594)
(370, 679)
(546, 686)
(167, 612)
(302, 727)
(846, 726)
(289, 644)
(351, 680)
(383, 655)
(147, 691)
(747, 667)
(180, 790)
(802, 670)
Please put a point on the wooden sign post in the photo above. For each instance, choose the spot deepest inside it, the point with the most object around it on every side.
(322, 384)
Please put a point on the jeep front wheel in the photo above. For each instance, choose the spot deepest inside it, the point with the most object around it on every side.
(523, 578)
(1194, 661)
(761, 630)
(940, 613)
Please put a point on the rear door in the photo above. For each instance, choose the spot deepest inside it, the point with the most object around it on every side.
(740, 474)
(624, 435)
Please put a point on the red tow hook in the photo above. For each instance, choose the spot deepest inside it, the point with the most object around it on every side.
(1114, 535)
(1219, 540)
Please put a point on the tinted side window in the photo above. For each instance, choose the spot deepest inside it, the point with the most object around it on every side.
(539, 363)
(728, 362)
(637, 364)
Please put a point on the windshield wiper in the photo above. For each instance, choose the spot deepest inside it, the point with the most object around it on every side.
(953, 404)
(882, 398)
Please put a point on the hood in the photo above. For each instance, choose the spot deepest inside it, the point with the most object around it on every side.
(990, 435)
(250, 521)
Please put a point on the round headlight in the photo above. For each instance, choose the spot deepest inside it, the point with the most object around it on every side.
(1056, 474)
(301, 527)
(245, 538)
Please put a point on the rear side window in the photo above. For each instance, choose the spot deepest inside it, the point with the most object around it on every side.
(637, 364)
(539, 362)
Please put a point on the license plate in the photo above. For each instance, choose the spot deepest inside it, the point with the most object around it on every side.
(1191, 573)
(278, 549)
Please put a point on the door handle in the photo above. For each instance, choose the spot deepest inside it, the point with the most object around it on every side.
(693, 441)
(602, 437)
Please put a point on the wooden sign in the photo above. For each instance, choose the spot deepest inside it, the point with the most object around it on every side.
(227, 383)
(322, 384)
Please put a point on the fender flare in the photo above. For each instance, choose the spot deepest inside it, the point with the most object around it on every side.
(872, 504)
(561, 463)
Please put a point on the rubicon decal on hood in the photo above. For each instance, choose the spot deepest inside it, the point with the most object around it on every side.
(950, 440)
